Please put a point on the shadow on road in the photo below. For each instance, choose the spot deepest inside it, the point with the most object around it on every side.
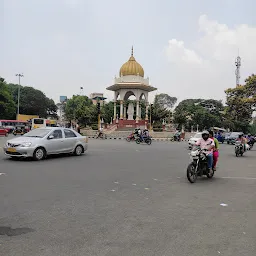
(8, 231)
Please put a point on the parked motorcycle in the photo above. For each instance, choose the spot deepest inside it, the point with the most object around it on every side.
(131, 137)
(146, 140)
(198, 166)
(239, 148)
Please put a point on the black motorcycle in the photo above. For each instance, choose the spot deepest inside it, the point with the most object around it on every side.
(251, 143)
(141, 139)
(239, 149)
(199, 165)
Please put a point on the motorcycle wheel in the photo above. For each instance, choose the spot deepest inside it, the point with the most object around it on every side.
(148, 142)
(191, 173)
(210, 175)
(138, 141)
(128, 139)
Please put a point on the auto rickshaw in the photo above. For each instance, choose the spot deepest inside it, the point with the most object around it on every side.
(19, 130)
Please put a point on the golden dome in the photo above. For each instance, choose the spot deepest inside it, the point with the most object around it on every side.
(131, 67)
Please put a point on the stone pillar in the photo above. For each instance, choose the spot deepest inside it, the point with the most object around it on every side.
(146, 118)
(137, 110)
(140, 112)
(121, 109)
(114, 111)
(125, 106)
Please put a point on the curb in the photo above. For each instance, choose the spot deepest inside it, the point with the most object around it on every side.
(122, 138)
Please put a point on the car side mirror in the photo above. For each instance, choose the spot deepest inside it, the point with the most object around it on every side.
(50, 137)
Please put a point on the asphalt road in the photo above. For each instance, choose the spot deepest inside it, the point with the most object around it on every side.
(123, 199)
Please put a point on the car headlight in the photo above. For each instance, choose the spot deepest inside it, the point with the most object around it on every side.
(26, 144)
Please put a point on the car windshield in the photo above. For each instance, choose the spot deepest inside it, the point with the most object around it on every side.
(37, 133)
(198, 135)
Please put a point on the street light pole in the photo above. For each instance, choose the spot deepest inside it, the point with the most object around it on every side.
(18, 110)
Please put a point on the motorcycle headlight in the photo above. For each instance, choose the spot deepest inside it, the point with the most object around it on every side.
(26, 144)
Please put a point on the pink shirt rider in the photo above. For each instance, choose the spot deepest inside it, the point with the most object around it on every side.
(206, 144)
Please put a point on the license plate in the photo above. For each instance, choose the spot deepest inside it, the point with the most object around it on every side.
(11, 150)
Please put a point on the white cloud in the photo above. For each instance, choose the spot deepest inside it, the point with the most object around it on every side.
(207, 68)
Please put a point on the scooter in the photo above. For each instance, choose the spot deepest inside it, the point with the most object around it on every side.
(131, 137)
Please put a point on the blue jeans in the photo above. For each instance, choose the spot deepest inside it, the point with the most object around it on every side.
(210, 160)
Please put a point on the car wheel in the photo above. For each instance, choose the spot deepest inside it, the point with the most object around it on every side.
(78, 150)
(39, 154)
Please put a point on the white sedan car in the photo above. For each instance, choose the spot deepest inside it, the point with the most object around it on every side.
(193, 140)
(41, 142)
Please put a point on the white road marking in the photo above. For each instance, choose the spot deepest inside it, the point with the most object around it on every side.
(223, 204)
(155, 179)
(134, 184)
(241, 178)
(116, 182)
(146, 188)
(2, 173)
(112, 190)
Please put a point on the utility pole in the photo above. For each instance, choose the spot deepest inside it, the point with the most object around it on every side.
(18, 110)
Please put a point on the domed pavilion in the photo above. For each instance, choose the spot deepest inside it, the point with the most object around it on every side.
(131, 82)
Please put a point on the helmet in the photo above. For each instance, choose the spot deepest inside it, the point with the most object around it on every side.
(205, 133)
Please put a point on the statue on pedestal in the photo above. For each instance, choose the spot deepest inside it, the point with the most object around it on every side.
(130, 111)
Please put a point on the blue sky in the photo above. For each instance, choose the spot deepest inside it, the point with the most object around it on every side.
(61, 45)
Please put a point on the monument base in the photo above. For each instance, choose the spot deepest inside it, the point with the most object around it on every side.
(132, 124)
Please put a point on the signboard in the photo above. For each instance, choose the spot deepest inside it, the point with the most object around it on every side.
(63, 99)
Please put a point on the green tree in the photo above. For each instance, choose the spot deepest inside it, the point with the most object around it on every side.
(7, 105)
(107, 111)
(165, 101)
(204, 113)
(81, 109)
(252, 129)
(33, 101)
(241, 102)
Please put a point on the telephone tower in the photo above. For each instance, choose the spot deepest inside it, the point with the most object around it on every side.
(237, 72)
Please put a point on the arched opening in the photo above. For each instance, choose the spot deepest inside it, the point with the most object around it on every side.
(129, 105)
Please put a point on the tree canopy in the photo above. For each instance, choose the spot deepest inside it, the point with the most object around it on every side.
(204, 113)
(241, 102)
(165, 101)
(33, 101)
(81, 109)
(7, 105)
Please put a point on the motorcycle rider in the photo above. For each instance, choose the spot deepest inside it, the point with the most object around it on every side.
(250, 140)
(242, 140)
(215, 150)
(145, 133)
(207, 144)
